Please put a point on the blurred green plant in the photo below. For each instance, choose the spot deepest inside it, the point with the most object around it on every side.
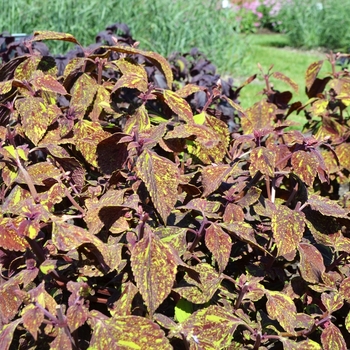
(317, 23)
(162, 26)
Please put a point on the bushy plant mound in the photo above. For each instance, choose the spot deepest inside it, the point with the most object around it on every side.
(133, 216)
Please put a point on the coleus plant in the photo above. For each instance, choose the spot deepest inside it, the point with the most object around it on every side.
(132, 218)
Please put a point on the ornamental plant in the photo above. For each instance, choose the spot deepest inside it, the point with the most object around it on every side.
(133, 217)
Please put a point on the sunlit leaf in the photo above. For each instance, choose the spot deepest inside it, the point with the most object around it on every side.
(6, 334)
(40, 35)
(263, 160)
(305, 166)
(288, 229)
(32, 319)
(183, 310)
(332, 338)
(286, 79)
(311, 263)
(219, 243)
(311, 73)
(327, 206)
(154, 268)
(332, 301)
(161, 177)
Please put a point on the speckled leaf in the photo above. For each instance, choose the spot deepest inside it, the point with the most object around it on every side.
(212, 149)
(200, 293)
(263, 160)
(344, 289)
(332, 301)
(154, 268)
(83, 93)
(161, 177)
(308, 344)
(134, 76)
(11, 298)
(87, 135)
(48, 83)
(288, 229)
(6, 334)
(43, 173)
(305, 166)
(76, 316)
(9, 237)
(332, 338)
(5, 87)
(32, 319)
(281, 307)
(233, 212)
(219, 244)
(66, 237)
(188, 90)
(133, 332)
(251, 197)
(287, 80)
(36, 116)
(213, 176)
(40, 35)
(174, 236)
(311, 263)
(178, 105)
(102, 98)
(244, 232)
(62, 341)
(347, 322)
(207, 208)
(113, 198)
(139, 118)
(327, 206)
(210, 328)
(311, 73)
(342, 151)
(154, 57)
(123, 306)
(259, 116)
(235, 105)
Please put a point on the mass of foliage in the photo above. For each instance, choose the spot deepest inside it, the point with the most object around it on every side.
(143, 208)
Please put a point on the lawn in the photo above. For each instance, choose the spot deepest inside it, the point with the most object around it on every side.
(268, 49)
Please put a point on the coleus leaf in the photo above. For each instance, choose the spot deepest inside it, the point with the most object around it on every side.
(41, 174)
(61, 341)
(158, 60)
(288, 229)
(83, 93)
(178, 105)
(205, 207)
(47, 82)
(9, 236)
(210, 328)
(161, 177)
(51, 35)
(281, 307)
(87, 135)
(332, 338)
(134, 76)
(219, 243)
(286, 79)
(183, 310)
(259, 116)
(332, 301)
(311, 73)
(32, 318)
(305, 166)
(36, 116)
(154, 268)
(6, 334)
(76, 316)
(123, 306)
(11, 298)
(263, 160)
(200, 293)
(311, 263)
(213, 176)
(327, 207)
(344, 289)
(308, 344)
(174, 236)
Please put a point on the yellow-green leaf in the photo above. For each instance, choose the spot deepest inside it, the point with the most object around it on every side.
(161, 177)
(288, 229)
(154, 268)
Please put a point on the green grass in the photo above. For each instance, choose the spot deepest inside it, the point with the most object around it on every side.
(273, 49)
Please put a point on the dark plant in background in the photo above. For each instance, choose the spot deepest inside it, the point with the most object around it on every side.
(131, 217)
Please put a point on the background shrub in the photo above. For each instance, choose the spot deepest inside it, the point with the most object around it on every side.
(162, 26)
(315, 23)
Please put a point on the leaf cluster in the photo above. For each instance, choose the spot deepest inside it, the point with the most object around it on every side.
(133, 215)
